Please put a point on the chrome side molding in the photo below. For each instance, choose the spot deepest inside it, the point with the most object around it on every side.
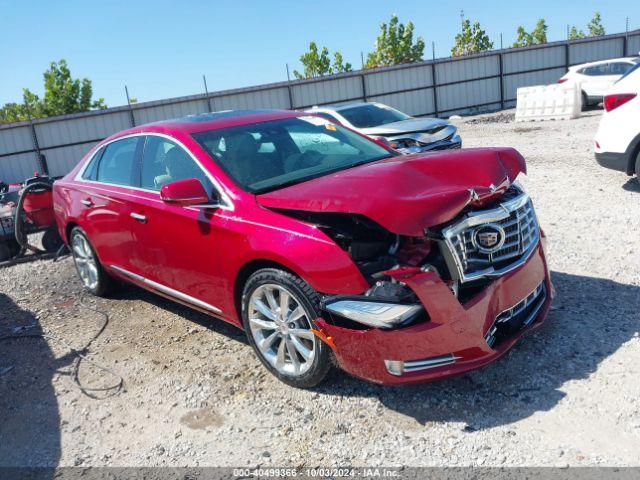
(164, 289)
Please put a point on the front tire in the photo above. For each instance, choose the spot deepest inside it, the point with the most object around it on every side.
(278, 313)
(90, 271)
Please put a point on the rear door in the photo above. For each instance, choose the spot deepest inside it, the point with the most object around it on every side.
(598, 81)
(102, 195)
(176, 247)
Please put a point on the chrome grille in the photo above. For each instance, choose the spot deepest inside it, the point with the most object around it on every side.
(516, 218)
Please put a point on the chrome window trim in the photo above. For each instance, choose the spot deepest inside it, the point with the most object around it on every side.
(167, 290)
(225, 201)
(475, 218)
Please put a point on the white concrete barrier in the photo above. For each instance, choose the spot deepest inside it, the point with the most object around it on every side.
(549, 102)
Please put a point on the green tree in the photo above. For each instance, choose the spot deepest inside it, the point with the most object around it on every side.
(13, 112)
(318, 64)
(471, 39)
(524, 38)
(338, 64)
(539, 33)
(575, 33)
(395, 45)
(62, 95)
(595, 26)
(536, 37)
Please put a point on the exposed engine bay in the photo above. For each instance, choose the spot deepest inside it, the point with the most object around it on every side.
(379, 253)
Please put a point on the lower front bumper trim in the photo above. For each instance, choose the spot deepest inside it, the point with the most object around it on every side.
(398, 367)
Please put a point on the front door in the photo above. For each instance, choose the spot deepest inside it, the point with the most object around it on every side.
(177, 246)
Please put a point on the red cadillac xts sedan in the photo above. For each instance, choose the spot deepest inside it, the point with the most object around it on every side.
(317, 241)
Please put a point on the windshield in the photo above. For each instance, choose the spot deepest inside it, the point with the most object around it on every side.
(372, 115)
(270, 155)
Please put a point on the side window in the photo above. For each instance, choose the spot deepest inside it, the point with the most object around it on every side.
(597, 70)
(620, 68)
(163, 161)
(91, 170)
(117, 162)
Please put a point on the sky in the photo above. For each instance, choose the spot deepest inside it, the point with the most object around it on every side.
(161, 49)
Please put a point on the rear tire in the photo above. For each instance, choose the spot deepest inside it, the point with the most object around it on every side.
(278, 313)
(638, 164)
(92, 275)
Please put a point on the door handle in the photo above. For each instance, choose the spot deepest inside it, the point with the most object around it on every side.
(86, 202)
(139, 217)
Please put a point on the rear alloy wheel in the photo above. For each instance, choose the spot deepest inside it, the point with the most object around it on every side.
(91, 273)
(278, 313)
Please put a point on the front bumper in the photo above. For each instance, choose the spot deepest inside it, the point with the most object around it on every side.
(452, 143)
(613, 160)
(454, 335)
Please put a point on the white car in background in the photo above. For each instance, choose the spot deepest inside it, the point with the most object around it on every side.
(617, 142)
(400, 131)
(596, 78)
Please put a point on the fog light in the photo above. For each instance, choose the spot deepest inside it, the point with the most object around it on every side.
(394, 367)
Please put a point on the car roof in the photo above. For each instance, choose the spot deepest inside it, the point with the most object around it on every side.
(337, 108)
(211, 121)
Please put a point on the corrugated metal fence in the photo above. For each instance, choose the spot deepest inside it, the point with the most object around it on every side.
(442, 87)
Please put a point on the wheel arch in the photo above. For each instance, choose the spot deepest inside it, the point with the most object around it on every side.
(632, 155)
(67, 231)
(246, 271)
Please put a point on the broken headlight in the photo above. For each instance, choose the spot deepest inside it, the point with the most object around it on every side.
(371, 312)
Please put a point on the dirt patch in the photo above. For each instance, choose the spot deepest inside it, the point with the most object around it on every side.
(201, 419)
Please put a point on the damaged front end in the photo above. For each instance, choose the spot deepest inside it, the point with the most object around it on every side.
(447, 297)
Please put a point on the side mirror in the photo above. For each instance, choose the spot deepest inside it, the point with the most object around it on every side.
(184, 192)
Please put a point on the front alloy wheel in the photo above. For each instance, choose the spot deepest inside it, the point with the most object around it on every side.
(281, 329)
(278, 313)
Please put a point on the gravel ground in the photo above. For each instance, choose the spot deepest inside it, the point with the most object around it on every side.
(195, 395)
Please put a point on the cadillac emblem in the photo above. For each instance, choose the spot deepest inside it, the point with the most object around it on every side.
(488, 238)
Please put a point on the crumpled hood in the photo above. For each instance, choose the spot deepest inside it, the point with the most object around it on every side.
(405, 194)
(405, 126)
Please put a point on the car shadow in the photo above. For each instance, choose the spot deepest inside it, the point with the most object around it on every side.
(632, 185)
(590, 319)
(29, 414)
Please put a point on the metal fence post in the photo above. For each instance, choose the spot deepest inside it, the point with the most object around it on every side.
(567, 63)
(206, 93)
(501, 58)
(434, 88)
(132, 119)
(42, 161)
(289, 89)
(364, 87)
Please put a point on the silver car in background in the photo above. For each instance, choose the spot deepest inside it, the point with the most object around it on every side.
(404, 133)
